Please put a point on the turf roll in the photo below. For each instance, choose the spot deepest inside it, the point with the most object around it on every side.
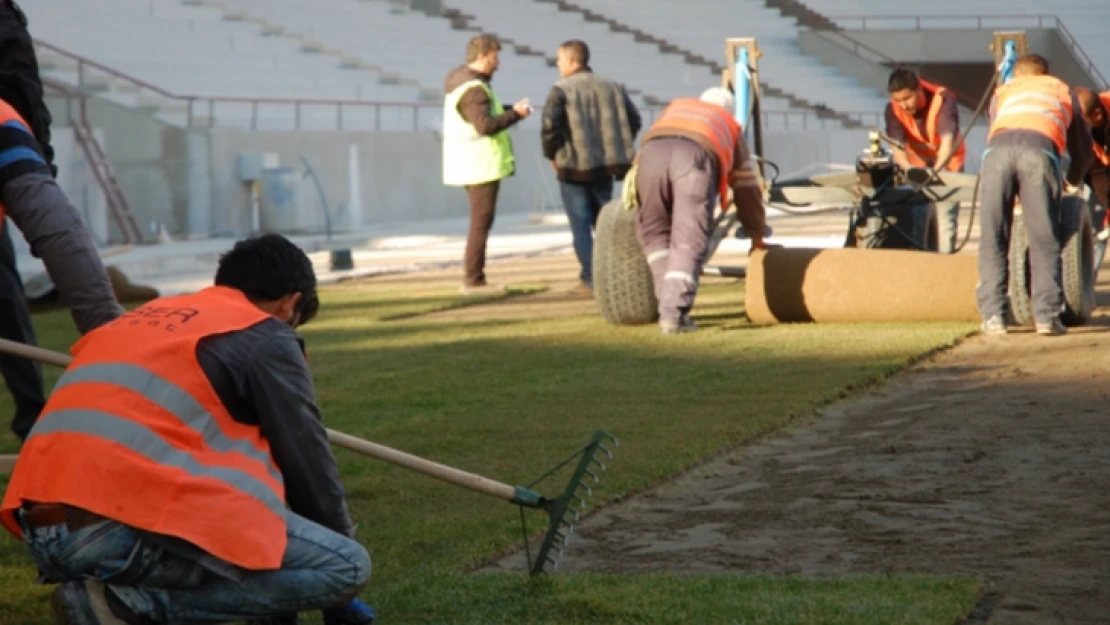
(799, 285)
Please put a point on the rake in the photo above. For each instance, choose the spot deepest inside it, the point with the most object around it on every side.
(562, 510)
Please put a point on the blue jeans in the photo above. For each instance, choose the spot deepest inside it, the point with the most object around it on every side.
(321, 569)
(583, 202)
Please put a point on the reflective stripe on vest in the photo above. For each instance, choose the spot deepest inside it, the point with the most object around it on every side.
(468, 157)
(711, 122)
(135, 432)
(1038, 103)
(921, 150)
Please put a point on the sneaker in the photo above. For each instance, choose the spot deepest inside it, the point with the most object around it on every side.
(85, 603)
(582, 290)
(683, 325)
(994, 326)
(478, 289)
(1051, 328)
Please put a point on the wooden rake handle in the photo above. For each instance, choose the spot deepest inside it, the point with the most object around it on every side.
(451, 475)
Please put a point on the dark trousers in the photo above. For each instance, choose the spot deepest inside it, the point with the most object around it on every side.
(483, 202)
(677, 184)
(1019, 166)
(23, 377)
(583, 202)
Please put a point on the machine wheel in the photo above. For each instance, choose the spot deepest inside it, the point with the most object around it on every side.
(623, 287)
(918, 221)
(1021, 279)
(1077, 260)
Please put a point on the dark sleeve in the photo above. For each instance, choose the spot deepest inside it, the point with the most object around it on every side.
(279, 384)
(56, 234)
(1080, 146)
(894, 127)
(474, 108)
(22, 86)
(948, 122)
(635, 122)
(554, 133)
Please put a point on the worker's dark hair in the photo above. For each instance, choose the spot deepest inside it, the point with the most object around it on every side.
(480, 46)
(269, 267)
(577, 51)
(1031, 65)
(901, 79)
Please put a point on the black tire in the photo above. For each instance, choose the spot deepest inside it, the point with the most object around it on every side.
(623, 288)
(1021, 307)
(916, 221)
(1076, 258)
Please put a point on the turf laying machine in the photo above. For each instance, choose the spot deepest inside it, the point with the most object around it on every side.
(887, 269)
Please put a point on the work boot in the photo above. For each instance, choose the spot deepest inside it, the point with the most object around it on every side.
(1051, 328)
(994, 326)
(89, 603)
(683, 325)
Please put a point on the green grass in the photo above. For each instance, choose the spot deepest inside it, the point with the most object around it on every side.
(509, 399)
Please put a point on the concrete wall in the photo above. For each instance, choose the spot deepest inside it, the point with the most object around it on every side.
(149, 157)
(400, 177)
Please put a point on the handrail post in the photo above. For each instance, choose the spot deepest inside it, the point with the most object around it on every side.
(297, 111)
(254, 115)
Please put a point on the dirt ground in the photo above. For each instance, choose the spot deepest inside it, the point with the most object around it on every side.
(990, 459)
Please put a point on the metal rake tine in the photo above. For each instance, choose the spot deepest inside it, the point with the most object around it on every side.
(581, 502)
(589, 491)
(595, 460)
(597, 480)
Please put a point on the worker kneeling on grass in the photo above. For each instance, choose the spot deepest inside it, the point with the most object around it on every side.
(1036, 123)
(153, 488)
(688, 160)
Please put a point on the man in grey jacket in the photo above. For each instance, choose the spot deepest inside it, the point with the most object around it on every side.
(589, 129)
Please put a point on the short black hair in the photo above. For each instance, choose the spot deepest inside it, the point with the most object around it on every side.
(900, 79)
(577, 51)
(269, 267)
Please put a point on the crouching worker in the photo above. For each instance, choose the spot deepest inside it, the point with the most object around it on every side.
(688, 160)
(154, 486)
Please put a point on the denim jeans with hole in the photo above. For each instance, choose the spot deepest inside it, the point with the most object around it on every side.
(321, 569)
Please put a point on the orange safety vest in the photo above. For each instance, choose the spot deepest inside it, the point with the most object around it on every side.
(1100, 153)
(711, 122)
(10, 118)
(135, 432)
(921, 150)
(1038, 103)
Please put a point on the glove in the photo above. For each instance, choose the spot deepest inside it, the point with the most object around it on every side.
(629, 196)
(354, 613)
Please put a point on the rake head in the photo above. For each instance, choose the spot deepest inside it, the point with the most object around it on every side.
(563, 511)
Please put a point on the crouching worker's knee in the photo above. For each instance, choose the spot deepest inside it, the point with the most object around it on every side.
(352, 574)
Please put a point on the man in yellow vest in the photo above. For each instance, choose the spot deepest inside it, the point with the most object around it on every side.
(926, 119)
(477, 151)
(154, 487)
(1036, 123)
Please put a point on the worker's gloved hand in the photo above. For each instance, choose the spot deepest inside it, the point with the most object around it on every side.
(354, 613)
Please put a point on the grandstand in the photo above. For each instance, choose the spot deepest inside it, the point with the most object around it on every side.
(377, 65)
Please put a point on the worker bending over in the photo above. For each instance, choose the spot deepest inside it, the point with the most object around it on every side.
(925, 118)
(154, 486)
(1096, 112)
(688, 160)
(1035, 124)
